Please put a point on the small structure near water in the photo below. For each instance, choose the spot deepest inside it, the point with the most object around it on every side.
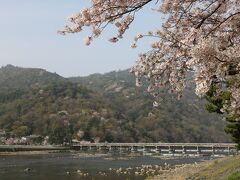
(162, 148)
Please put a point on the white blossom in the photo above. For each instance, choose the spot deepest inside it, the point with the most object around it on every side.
(198, 36)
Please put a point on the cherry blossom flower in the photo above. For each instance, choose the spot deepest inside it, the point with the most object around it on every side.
(198, 36)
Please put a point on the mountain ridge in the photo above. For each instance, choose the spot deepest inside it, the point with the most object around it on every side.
(13, 77)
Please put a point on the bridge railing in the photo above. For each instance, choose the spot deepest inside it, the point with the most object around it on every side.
(232, 145)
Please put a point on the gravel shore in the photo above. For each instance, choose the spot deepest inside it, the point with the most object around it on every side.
(217, 169)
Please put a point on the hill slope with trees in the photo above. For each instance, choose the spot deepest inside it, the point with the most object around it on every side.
(173, 121)
(12, 77)
(99, 107)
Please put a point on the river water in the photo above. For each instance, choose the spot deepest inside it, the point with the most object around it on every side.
(66, 166)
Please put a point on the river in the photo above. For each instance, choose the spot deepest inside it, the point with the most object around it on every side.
(73, 166)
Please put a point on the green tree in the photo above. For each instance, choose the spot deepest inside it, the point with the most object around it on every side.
(216, 103)
(69, 133)
(57, 133)
(21, 131)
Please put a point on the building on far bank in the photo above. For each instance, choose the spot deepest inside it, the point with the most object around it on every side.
(34, 139)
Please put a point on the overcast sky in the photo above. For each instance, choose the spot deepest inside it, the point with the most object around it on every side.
(28, 38)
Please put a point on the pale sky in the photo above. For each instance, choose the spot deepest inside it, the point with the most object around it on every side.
(28, 38)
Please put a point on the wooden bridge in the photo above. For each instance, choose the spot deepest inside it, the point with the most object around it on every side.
(162, 148)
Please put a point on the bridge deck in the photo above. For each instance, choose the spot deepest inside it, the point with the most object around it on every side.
(170, 148)
(159, 144)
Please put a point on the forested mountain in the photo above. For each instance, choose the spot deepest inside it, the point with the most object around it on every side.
(173, 121)
(12, 77)
(107, 107)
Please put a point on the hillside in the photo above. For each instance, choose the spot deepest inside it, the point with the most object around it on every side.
(56, 109)
(174, 121)
(12, 77)
(104, 107)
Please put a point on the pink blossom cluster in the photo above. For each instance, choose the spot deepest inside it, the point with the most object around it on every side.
(118, 12)
(201, 36)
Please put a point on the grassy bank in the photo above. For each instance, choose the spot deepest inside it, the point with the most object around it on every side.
(227, 168)
(234, 176)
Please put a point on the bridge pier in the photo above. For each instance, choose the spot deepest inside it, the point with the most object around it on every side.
(120, 149)
(184, 151)
(198, 150)
(213, 150)
(144, 149)
(171, 150)
(160, 150)
(132, 149)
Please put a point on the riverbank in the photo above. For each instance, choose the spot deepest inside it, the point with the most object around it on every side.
(30, 148)
(218, 169)
(30, 153)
